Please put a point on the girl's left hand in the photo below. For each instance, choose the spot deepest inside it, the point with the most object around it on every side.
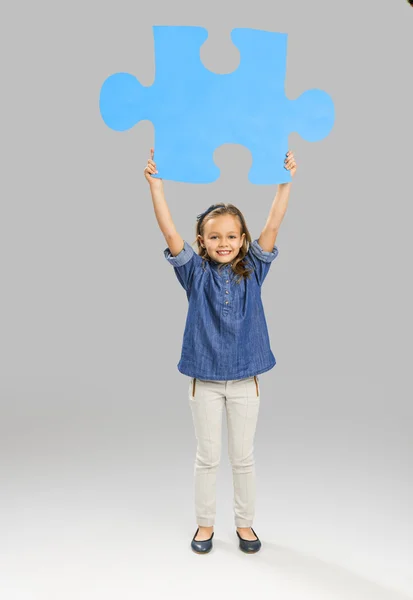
(290, 164)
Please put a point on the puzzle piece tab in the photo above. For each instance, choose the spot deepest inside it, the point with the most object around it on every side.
(194, 111)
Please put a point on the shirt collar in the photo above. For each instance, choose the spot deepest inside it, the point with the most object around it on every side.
(215, 264)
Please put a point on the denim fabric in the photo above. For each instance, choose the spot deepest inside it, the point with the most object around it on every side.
(226, 335)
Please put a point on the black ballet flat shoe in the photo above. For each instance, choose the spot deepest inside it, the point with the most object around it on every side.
(249, 546)
(201, 546)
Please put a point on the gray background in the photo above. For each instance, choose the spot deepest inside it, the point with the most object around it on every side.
(97, 441)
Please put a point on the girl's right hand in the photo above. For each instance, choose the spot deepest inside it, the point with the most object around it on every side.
(151, 168)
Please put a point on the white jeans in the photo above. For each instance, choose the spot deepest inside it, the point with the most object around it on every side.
(241, 399)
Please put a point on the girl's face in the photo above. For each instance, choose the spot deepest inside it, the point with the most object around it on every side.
(222, 233)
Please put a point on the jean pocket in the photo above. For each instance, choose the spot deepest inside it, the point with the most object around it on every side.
(192, 387)
(257, 385)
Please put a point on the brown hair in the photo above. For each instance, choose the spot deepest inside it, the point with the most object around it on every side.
(239, 264)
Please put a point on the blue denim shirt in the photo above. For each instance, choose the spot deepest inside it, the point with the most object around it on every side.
(226, 335)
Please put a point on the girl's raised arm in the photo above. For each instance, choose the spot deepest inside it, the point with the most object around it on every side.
(278, 209)
(163, 216)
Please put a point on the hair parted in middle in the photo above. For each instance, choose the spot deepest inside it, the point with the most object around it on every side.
(238, 264)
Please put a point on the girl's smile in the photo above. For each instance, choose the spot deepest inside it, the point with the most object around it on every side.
(222, 255)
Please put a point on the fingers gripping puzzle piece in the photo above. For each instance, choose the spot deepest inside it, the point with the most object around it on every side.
(194, 111)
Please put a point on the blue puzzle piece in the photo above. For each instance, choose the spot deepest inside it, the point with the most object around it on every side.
(194, 111)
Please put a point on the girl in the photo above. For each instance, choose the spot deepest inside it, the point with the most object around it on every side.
(225, 344)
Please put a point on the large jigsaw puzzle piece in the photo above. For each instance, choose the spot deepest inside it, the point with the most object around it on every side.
(194, 111)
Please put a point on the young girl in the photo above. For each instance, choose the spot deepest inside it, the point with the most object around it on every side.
(225, 344)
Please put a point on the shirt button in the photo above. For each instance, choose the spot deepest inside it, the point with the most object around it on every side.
(226, 291)
(226, 302)
(227, 281)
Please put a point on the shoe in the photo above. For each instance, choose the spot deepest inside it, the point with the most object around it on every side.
(249, 546)
(201, 546)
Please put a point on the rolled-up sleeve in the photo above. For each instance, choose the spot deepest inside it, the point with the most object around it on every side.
(184, 264)
(261, 260)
